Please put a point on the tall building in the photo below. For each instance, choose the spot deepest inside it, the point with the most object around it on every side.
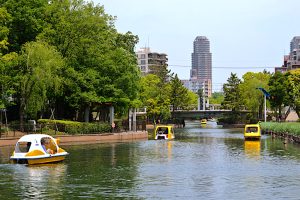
(201, 72)
(201, 59)
(150, 62)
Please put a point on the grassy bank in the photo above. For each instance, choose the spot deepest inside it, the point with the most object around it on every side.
(291, 128)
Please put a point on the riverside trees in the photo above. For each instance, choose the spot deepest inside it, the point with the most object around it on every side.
(159, 94)
(68, 55)
(284, 90)
(65, 54)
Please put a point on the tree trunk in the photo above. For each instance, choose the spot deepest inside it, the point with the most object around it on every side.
(86, 114)
(279, 110)
(297, 110)
(22, 114)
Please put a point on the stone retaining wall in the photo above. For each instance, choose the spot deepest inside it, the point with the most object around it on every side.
(93, 138)
(285, 136)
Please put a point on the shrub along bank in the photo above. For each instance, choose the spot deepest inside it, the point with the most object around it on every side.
(292, 128)
(72, 128)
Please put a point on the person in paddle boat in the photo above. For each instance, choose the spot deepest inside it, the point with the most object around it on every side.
(45, 143)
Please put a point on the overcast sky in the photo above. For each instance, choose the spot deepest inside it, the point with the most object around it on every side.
(244, 35)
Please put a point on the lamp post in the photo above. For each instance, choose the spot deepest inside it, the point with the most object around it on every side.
(266, 94)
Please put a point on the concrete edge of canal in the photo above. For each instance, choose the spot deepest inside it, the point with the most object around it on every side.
(91, 138)
(285, 136)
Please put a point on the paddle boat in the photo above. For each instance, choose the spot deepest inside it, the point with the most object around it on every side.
(164, 132)
(203, 121)
(37, 149)
(252, 131)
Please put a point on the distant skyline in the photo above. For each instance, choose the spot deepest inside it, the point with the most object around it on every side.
(247, 35)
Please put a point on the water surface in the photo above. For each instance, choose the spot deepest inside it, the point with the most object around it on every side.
(201, 163)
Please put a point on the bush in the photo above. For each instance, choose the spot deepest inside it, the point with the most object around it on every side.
(71, 127)
(292, 128)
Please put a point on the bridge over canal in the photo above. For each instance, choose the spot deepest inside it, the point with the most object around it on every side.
(199, 114)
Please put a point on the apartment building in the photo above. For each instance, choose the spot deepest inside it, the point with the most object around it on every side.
(150, 62)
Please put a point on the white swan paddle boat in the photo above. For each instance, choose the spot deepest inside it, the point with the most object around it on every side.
(37, 149)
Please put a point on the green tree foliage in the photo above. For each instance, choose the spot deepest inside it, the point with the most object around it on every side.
(7, 83)
(101, 64)
(5, 19)
(216, 98)
(155, 96)
(278, 91)
(37, 73)
(5, 91)
(232, 94)
(251, 97)
(192, 100)
(27, 21)
(179, 96)
(293, 89)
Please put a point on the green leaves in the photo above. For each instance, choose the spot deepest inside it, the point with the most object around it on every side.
(293, 89)
(37, 75)
(232, 93)
(251, 97)
(27, 21)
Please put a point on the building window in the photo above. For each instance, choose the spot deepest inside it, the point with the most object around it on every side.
(143, 62)
(143, 68)
(143, 56)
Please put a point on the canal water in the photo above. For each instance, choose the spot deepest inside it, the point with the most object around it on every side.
(201, 163)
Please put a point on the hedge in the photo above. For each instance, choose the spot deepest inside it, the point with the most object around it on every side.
(71, 127)
(292, 128)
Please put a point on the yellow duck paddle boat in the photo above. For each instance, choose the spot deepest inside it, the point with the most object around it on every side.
(252, 131)
(163, 132)
(203, 121)
(37, 149)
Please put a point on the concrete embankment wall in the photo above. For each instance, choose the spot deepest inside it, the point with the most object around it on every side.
(86, 139)
(285, 136)
(101, 138)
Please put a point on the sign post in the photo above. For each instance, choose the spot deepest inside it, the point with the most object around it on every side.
(266, 94)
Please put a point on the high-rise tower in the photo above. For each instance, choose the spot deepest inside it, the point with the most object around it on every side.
(201, 59)
(202, 64)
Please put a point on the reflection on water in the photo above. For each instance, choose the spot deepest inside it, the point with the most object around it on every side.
(43, 181)
(163, 148)
(200, 163)
(39, 182)
(252, 148)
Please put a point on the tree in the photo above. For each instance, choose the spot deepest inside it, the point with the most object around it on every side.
(27, 21)
(5, 19)
(278, 91)
(250, 96)
(179, 94)
(200, 94)
(232, 93)
(36, 75)
(293, 89)
(216, 98)
(101, 64)
(155, 97)
(5, 80)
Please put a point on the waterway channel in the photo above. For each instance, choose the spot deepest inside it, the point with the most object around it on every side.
(201, 163)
